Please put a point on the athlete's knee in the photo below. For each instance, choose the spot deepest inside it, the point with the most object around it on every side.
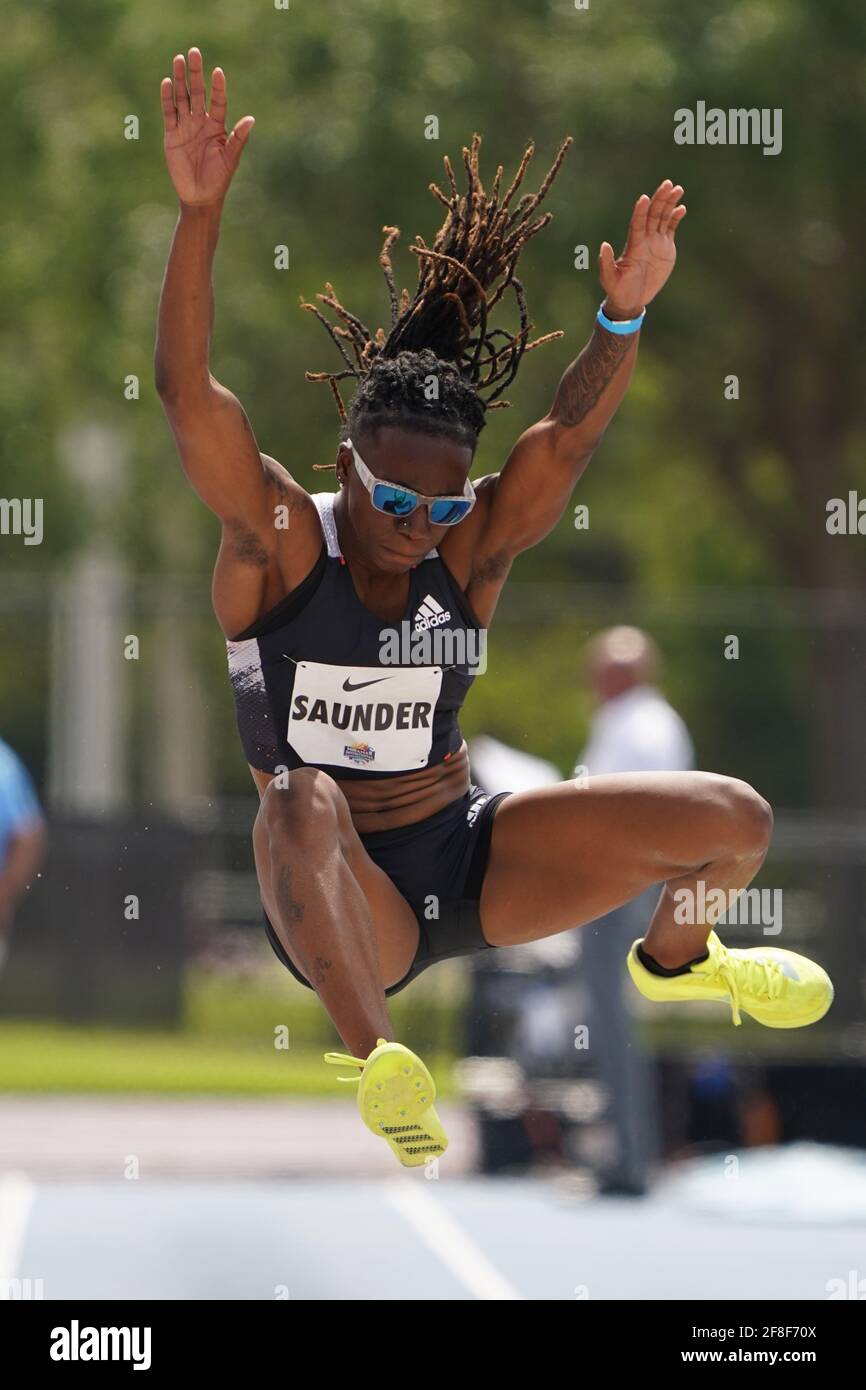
(748, 816)
(307, 810)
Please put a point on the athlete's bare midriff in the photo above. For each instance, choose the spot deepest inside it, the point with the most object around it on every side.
(387, 803)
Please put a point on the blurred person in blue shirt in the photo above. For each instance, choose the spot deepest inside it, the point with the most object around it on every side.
(22, 838)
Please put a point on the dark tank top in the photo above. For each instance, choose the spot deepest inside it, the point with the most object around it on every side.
(320, 681)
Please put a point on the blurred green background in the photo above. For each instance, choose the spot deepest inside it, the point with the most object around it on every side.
(707, 515)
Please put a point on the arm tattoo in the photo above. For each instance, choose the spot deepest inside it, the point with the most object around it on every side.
(320, 965)
(295, 501)
(290, 908)
(590, 374)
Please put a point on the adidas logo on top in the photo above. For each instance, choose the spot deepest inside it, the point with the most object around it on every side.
(430, 614)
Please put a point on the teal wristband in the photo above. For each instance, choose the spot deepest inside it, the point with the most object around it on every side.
(619, 325)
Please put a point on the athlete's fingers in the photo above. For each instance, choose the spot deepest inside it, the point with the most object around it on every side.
(606, 260)
(678, 215)
(637, 225)
(670, 203)
(196, 82)
(657, 207)
(238, 138)
(181, 96)
(217, 110)
(169, 115)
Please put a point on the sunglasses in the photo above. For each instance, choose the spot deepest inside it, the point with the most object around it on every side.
(395, 500)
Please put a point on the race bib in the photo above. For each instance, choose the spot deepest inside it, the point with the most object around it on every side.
(363, 716)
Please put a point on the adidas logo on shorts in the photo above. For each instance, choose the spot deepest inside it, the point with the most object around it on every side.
(430, 614)
(475, 806)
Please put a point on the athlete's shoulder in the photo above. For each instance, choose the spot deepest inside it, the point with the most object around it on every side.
(465, 542)
(484, 489)
(459, 546)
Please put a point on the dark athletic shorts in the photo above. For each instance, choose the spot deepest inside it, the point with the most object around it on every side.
(446, 856)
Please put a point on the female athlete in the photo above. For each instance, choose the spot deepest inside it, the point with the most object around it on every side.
(354, 623)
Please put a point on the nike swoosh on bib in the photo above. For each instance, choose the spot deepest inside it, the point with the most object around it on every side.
(347, 684)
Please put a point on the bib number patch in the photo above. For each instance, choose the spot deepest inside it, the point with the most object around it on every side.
(363, 716)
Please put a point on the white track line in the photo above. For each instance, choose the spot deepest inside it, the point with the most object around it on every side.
(441, 1234)
(17, 1194)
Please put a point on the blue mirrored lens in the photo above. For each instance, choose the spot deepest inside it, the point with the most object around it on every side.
(446, 513)
(394, 500)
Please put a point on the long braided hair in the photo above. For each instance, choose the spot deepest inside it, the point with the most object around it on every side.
(443, 333)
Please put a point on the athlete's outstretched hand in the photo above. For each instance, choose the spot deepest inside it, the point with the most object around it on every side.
(201, 158)
(631, 280)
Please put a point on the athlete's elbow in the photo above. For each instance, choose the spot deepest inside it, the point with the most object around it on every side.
(164, 381)
(174, 387)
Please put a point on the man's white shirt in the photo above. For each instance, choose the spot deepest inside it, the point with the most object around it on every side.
(637, 731)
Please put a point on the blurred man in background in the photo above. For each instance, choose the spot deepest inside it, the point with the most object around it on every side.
(22, 838)
(634, 729)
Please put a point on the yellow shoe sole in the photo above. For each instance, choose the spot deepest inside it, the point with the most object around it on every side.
(395, 1099)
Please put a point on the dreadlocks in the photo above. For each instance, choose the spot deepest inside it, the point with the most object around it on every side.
(444, 331)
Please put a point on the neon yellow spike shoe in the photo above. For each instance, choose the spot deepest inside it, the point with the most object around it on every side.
(395, 1098)
(778, 988)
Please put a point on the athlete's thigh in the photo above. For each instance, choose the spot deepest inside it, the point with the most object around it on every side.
(565, 855)
(394, 922)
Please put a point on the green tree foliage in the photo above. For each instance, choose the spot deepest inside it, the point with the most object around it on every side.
(689, 492)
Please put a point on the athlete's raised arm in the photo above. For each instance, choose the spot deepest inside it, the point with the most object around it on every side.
(214, 437)
(536, 482)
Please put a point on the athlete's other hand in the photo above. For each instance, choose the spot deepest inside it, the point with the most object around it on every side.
(201, 158)
(631, 280)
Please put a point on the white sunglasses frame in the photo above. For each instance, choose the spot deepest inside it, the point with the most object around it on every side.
(370, 480)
